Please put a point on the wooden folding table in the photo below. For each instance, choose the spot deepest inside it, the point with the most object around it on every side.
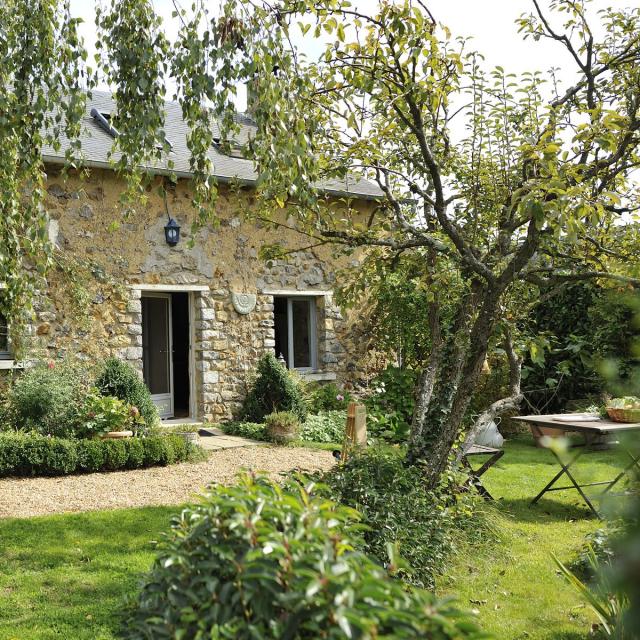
(601, 427)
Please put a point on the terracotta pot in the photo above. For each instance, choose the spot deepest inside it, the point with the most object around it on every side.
(538, 432)
(115, 435)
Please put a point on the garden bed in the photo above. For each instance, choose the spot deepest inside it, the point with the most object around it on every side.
(172, 485)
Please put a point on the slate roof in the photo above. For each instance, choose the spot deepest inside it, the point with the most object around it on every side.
(96, 144)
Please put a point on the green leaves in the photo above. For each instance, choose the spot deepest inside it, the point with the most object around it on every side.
(259, 560)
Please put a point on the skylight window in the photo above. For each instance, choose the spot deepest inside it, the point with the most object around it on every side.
(105, 120)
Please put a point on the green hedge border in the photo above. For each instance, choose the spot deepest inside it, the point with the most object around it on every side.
(32, 454)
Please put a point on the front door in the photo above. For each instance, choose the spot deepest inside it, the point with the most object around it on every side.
(157, 350)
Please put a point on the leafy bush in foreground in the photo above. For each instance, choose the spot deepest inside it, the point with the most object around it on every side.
(121, 380)
(399, 510)
(261, 561)
(273, 390)
(31, 454)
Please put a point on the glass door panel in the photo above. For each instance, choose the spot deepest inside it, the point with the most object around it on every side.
(156, 349)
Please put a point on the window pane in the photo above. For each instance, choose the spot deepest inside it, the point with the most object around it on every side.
(4, 336)
(281, 328)
(301, 310)
(155, 344)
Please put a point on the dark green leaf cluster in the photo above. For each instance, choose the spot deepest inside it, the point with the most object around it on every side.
(120, 379)
(261, 561)
(31, 454)
(273, 390)
(398, 509)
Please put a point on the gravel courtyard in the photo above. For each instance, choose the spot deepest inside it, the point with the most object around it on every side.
(176, 484)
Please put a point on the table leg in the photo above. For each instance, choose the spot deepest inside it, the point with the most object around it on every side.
(565, 470)
(634, 463)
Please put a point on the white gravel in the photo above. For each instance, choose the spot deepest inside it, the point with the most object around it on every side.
(176, 484)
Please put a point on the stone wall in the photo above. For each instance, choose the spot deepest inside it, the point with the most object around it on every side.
(91, 311)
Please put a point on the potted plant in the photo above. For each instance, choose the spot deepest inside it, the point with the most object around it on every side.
(109, 417)
(282, 426)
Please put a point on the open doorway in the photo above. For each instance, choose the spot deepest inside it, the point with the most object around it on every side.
(166, 351)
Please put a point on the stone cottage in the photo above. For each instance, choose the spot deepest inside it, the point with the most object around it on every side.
(192, 317)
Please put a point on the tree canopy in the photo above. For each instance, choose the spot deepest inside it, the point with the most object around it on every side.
(497, 185)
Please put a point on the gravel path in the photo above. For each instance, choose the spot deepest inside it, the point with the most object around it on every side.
(176, 484)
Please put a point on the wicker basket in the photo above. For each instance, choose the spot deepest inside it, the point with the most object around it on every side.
(624, 415)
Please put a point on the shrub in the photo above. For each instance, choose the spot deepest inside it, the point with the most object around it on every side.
(328, 426)
(91, 454)
(399, 510)
(115, 454)
(390, 407)
(252, 430)
(282, 426)
(47, 399)
(101, 414)
(135, 453)
(327, 397)
(121, 380)
(273, 390)
(31, 454)
(261, 561)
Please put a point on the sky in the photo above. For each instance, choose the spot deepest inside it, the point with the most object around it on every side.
(490, 23)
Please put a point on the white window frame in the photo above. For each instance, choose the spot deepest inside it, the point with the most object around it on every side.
(313, 331)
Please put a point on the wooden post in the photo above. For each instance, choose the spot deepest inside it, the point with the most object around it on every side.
(355, 433)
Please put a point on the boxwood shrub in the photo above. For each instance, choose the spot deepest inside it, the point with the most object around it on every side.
(32, 454)
(261, 561)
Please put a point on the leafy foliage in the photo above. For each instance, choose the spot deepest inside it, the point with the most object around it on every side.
(101, 414)
(259, 560)
(575, 332)
(47, 398)
(251, 430)
(272, 390)
(327, 397)
(398, 509)
(42, 100)
(32, 454)
(327, 426)
(390, 406)
(120, 379)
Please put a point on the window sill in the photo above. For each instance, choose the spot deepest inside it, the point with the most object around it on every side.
(317, 376)
(10, 364)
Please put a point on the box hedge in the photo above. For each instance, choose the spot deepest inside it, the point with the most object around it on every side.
(32, 454)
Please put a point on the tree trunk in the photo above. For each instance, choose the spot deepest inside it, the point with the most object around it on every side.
(511, 402)
(462, 365)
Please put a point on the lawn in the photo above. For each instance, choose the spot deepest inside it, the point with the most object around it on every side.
(67, 576)
(514, 584)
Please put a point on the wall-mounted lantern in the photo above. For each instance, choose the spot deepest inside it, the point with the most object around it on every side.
(172, 232)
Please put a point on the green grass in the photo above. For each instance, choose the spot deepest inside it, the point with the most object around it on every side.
(66, 577)
(514, 584)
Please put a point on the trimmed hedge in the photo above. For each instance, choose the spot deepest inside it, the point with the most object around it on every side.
(31, 454)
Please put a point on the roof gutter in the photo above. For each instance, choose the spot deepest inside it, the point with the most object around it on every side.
(158, 171)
